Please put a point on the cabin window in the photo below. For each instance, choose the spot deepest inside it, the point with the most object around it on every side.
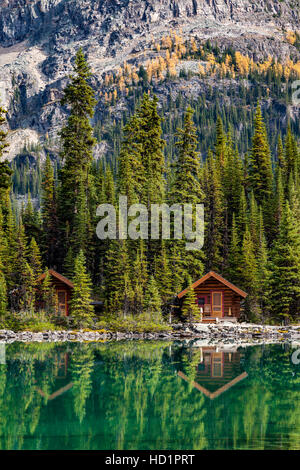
(201, 301)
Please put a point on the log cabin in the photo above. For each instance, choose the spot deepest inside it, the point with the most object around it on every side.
(63, 289)
(217, 298)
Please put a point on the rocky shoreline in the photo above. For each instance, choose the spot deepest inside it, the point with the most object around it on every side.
(225, 333)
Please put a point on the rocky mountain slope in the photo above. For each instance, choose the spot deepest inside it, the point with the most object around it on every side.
(38, 39)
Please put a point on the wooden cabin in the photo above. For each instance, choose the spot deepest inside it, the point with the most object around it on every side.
(217, 298)
(63, 289)
(217, 371)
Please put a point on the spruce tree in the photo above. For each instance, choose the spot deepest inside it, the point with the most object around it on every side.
(221, 140)
(131, 176)
(248, 274)
(186, 187)
(47, 294)
(50, 234)
(152, 145)
(34, 258)
(285, 282)
(77, 152)
(152, 301)
(214, 214)
(234, 258)
(190, 309)
(81, 308)
(260, 169)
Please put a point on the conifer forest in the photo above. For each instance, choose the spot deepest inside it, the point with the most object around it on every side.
(240, 159)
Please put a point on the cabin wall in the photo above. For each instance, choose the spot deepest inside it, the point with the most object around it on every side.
(59, 285)
(230, 298)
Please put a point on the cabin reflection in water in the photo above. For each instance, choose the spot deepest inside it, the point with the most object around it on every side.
(217, 371)
(60, 374)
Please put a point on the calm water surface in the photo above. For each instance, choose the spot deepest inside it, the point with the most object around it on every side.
(148, 395)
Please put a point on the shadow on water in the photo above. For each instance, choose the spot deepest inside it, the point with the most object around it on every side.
(148, 395)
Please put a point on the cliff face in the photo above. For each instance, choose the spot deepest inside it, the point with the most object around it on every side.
(38, 38)
(115, 20)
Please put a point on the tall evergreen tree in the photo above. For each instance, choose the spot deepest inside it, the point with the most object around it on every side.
(152, 145)
(260, 169)
(190, 309)
(81, 308)
(50, 233)
(152, 301)
(285, 281)
(77, 147)
(186, 186)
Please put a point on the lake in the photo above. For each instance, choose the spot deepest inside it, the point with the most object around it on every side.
(148, 395)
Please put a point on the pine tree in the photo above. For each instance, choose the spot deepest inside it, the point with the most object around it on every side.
(77, 146)
(140, 277)
(242, 214)
(232, 182)
(260, 170)
(214, 215)
(119, 294)
(152, 145)
(47, 294)
(68, 266)
(190, 309)
(24, 279)
(81, 308)
(248, 273)
(34, 258)
(263, 269)
(186, 187)
(291, 156)
(31, 221)
(279, 198)
(234, 258)
(50, 234)
(285, 258)
(131, 176)
(152, 301)
(220, 147)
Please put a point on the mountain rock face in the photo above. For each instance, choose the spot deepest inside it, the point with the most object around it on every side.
(38, 39)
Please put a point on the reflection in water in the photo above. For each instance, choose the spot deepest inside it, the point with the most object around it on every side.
(217, 371)
(148, 395)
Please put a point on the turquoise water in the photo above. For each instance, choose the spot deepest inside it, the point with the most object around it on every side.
(148, 395)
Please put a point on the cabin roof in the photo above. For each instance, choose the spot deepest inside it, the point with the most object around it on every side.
(218, 278)
(220, 390)
(59, 277)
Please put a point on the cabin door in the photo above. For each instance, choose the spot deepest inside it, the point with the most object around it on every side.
(62, 302)
(217, 304)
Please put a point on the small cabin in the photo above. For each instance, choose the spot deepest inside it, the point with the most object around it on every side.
(217, 298)
(63, 289)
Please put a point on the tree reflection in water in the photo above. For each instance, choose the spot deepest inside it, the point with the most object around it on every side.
(148, 395)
